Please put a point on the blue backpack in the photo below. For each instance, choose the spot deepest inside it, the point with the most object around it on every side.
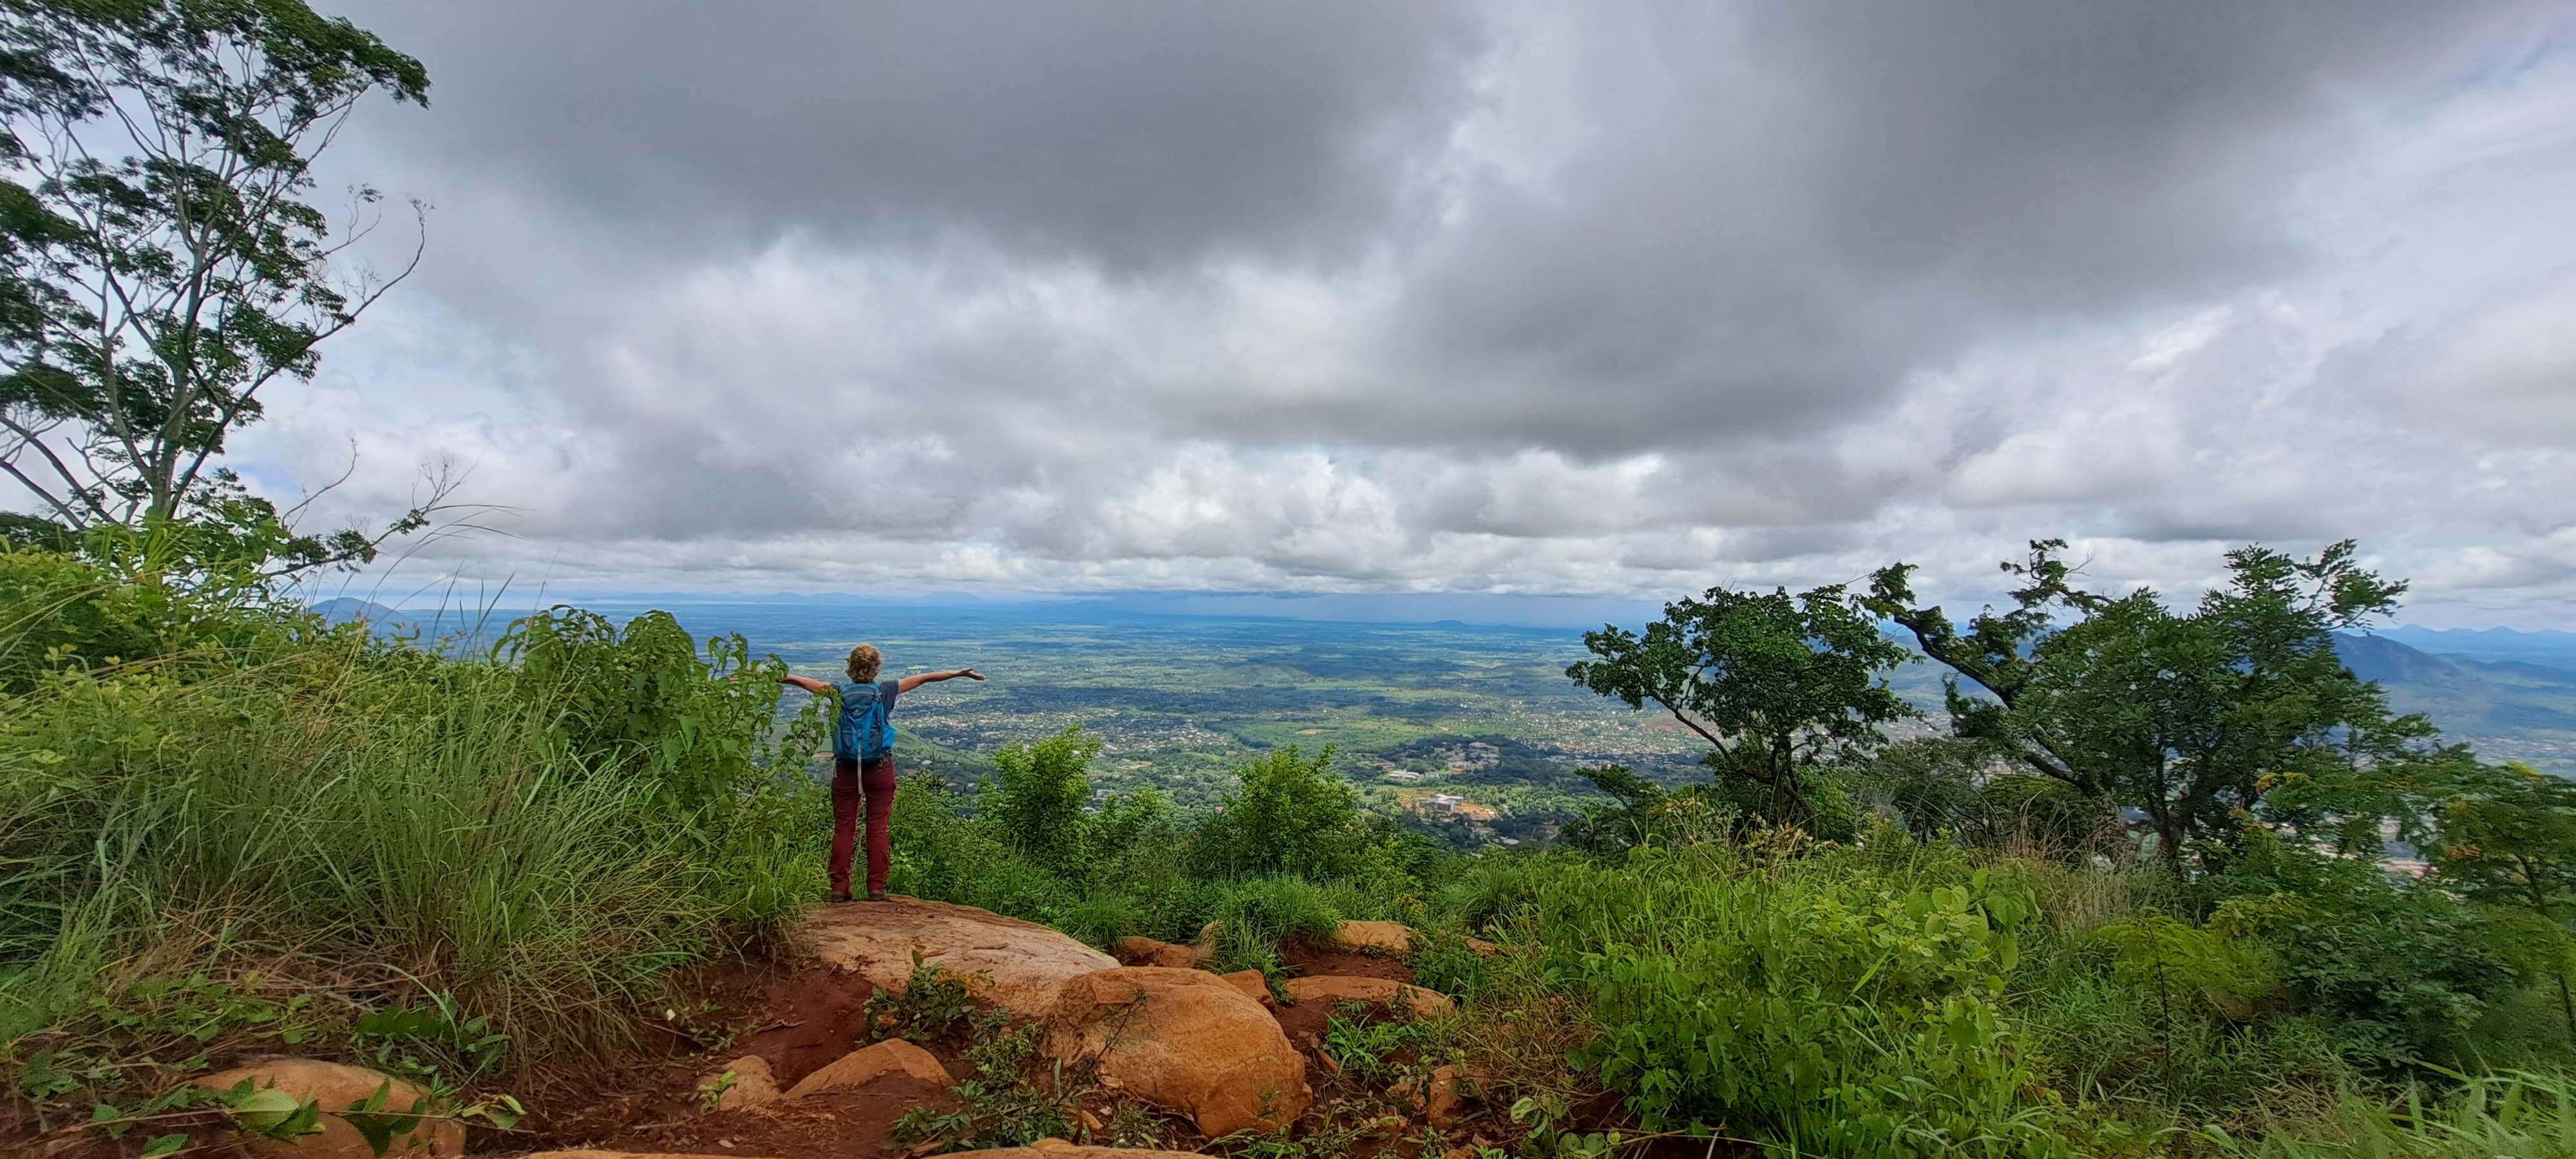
(864, 733)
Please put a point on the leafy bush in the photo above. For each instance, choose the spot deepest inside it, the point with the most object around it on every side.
(2513, 1115)
(2399, 973)
(1036, 797)
(1255, 914)
(1824, 1001)
(254, 786)
(643, 701)
(931, 1004)
(1291, 815)
(1002, 1104)
(1038, 803)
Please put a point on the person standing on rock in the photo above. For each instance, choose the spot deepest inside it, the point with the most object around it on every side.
(863, 760)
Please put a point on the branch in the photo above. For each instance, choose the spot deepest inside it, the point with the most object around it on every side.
(28, 437)
(10, 465)
(1692, 725)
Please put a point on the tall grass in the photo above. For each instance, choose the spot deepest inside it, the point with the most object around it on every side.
(1834, 1002)
(390, 827)
(2512, 1115)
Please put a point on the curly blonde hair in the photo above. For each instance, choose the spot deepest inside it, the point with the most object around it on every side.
(865, 660)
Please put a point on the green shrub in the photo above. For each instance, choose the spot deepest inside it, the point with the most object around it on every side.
(1970, 790)
(643, 701)
(1444, 962)
(1007, 1102)
(931, 1004)
(1035, 801)
(2397, 972)
(254, 787)
(2514, 1115)
(1825, 1002)
(1291, 815)
(1256, 914)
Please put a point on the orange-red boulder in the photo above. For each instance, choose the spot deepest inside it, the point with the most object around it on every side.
(1014, 964)
(866, 1064)
(1185, 1040)
(1374, 937)
(338, 1088)
(1148, 952)
(1253, 985)
(1336, 989)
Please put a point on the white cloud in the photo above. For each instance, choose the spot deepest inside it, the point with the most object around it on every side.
(1620, 303)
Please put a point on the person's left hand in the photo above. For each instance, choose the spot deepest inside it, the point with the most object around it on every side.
(970, 674)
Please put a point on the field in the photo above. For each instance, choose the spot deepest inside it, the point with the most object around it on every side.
(1482, 713)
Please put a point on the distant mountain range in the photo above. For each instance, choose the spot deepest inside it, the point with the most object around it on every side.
(345, 608)
(2512, 694)
(2553, 649)
(447, 627)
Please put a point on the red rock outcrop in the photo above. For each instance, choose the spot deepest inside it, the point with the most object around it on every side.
(1017, 965)
(1186, 1040)
(1336, 989)
(861, 1066)
(337, 1088)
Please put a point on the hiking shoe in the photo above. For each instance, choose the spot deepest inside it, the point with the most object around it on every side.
(876, 895)
(840, 896)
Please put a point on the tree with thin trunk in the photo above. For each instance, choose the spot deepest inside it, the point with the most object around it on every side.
(2202, 718)
(2508, 837)
(162, 261)
(1776, 684)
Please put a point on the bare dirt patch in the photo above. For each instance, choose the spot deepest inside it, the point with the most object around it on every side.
(1312, 959)
(849, 1124)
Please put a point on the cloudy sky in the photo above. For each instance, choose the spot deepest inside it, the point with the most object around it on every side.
(1604, 299)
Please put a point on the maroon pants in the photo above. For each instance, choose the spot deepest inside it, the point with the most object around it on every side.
(848, 778)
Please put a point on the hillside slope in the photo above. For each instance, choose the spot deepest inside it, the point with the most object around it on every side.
(2508, 709)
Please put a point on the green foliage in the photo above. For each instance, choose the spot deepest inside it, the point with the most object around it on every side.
(197, 779)
(2399, 972)
(1254, 915)
(1378, 1051)
(1291, 815)
(1443, 961)
(2184, 963)
(62, 613)
(2193, 717)
(2513, 1115)
(158, 276)
(1643, 813)
(644, 703)
(1006, 1103)
(930, 1005)
(1038, 803)
(1775, 684)
(1036, 799)
(1966, 788)
(2508, 838)
(1826, 1001)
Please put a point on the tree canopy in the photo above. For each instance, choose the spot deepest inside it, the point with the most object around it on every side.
(162, 258)
(2234, 709)
(1774, 683)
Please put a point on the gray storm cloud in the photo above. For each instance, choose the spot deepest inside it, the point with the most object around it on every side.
(1610, 298)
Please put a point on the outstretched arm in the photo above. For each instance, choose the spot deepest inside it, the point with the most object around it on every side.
(912, 682)
(807, 683)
